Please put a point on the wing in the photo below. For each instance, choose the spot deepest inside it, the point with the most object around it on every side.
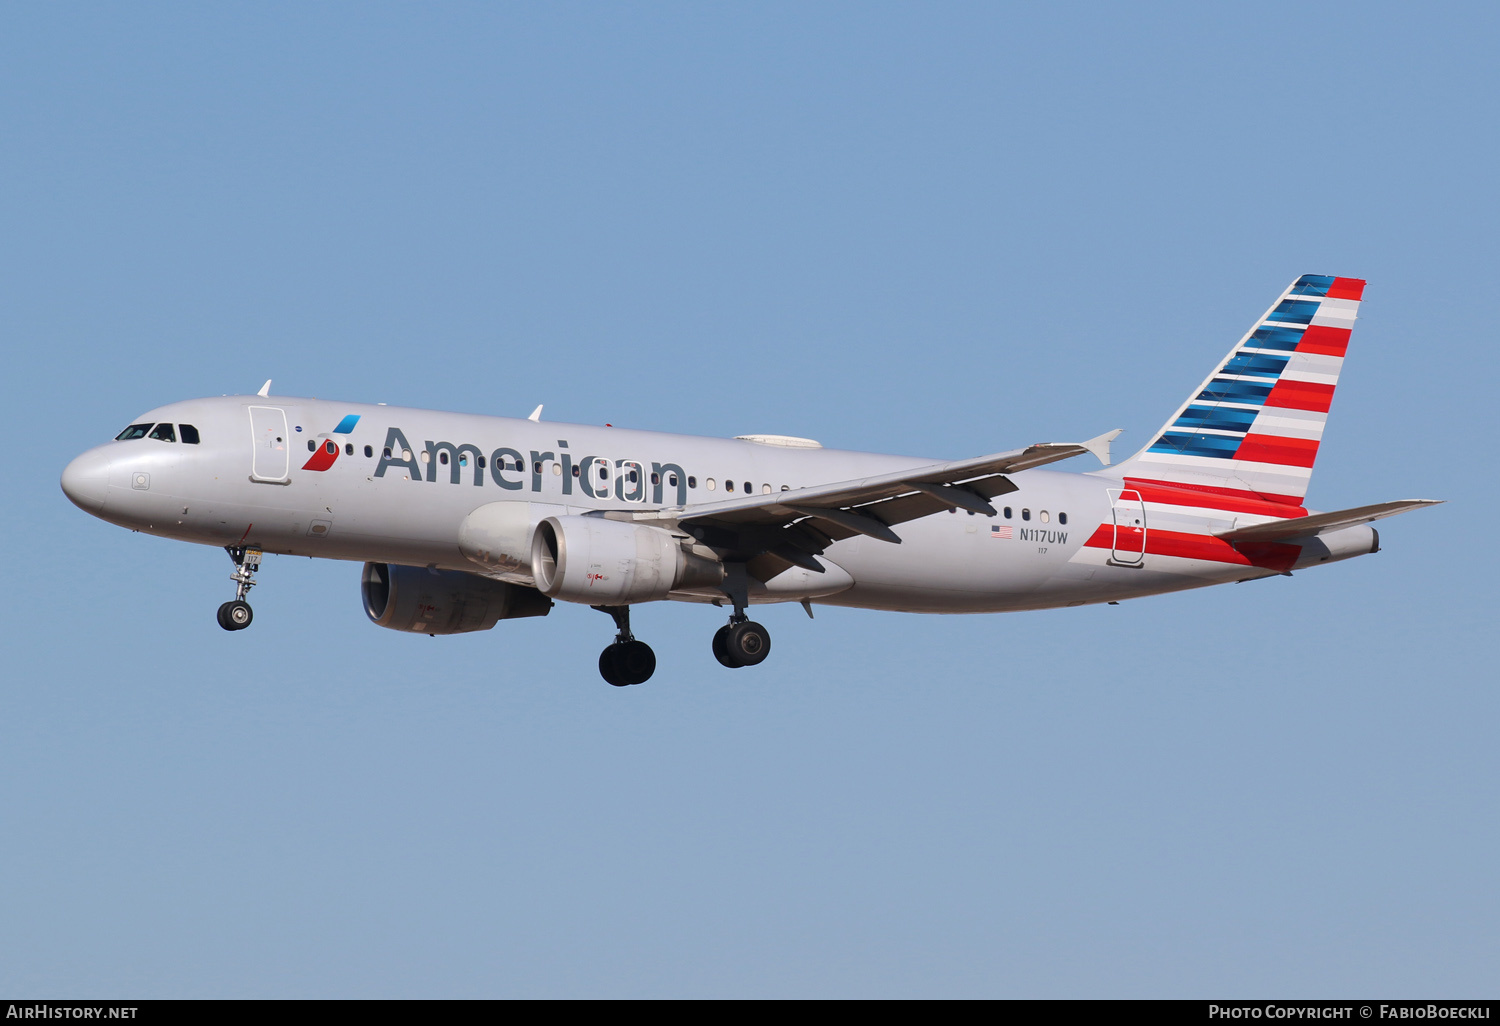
(1323, 523)
(773, 532)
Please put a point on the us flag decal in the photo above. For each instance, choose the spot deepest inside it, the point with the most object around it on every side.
(997, 531)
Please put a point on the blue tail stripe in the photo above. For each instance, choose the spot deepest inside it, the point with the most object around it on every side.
(1294, 311)
(1274, 337)
(1312, 285)
(1222, 390)
(1216, 418)
(1260, 364)
(1180, 442)
(347, 424)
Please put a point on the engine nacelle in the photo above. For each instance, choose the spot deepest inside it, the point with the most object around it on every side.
(497, 536)
(423, 601)
(612, 563)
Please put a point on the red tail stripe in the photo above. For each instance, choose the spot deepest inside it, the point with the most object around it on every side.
(1324, 340)
(1210, 497)
(1347, 288)
(1289, 452)
(1301, 395)
(1276, 556)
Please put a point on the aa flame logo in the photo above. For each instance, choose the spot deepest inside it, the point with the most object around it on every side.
(328, 449)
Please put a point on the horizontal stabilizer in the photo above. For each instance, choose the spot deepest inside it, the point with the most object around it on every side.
(1323, 523)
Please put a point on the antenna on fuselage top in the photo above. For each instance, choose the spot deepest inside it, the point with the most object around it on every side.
(536, 414)
(265, 389)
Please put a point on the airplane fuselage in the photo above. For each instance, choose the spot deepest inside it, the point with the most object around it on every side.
(462, 520)
(396, 485)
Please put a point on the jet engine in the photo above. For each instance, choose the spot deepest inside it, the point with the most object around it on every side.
(612, 563)
(423, 601)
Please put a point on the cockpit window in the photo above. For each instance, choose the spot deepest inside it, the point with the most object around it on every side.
(133, 431)
(163, 433)
(189, 434)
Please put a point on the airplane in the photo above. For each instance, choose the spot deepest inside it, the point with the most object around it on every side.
(463, 520)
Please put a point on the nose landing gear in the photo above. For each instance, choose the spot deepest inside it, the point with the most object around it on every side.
(627, 661)
(237, 614)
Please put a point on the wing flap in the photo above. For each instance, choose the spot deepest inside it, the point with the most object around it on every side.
(1323, 523)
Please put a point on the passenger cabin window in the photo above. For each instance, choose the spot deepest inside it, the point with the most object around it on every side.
(132, 432)
(1062, 518)
(348, 448)
(164, 433)
(692, 481)
(332, 447)
(312, 446)
(1007, 512)
(1025, 514)
(729, 486)
(189, 434)
(369, 451)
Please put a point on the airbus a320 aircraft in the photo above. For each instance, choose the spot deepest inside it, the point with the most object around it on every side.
(462, 521)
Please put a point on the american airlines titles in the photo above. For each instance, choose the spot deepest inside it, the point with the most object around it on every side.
(595, 477)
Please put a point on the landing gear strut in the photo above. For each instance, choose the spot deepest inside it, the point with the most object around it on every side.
(741, 641)
(236, 615)
(627, 661)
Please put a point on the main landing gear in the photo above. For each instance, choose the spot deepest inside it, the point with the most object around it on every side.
(236, 615)
(741, 641)
(627, 661)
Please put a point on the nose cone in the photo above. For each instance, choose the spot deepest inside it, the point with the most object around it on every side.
(86, 480)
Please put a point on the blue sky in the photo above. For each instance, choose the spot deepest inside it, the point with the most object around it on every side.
(938, 229)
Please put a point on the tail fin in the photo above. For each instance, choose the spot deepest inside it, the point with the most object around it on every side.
(1252, 429)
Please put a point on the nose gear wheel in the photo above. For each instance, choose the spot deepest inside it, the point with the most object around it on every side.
(236, 615)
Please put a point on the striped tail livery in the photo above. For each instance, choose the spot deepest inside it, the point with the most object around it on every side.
(1252, 429)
